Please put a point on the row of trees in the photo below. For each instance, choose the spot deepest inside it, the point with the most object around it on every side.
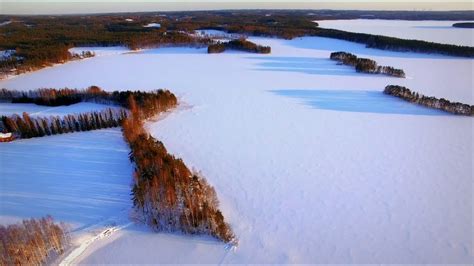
(30, 127)
(396, 44)
(166, 194)
(66, 96)
(432, 102)
(366, 65)
(240, 45)
(32, 241)
(53, 97)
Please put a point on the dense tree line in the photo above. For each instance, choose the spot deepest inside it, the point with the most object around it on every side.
(432, 102)
(54, 97)
(396, 44)
(240, 45)
(26, 127)
(166, 194)
(32, 241)
(66, 96)
(366, 65)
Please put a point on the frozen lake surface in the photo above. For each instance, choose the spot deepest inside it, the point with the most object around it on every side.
(358, 101)
(311, 163)
(425, 30)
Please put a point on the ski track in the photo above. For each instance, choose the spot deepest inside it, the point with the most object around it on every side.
(79, 250)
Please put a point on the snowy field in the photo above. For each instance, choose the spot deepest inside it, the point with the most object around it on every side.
(426, 30)
(311, 162)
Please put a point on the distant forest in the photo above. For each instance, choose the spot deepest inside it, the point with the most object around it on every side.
(39, 41)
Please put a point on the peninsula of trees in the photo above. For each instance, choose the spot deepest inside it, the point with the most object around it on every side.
(166, 194)
(239, 45)
(366, 65)
(432, 102)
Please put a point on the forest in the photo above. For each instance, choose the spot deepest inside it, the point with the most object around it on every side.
(166, 194)
(432, 102)
(26, 127)
(32, 241)
(40, 41)
(366, 65)
(239, 45)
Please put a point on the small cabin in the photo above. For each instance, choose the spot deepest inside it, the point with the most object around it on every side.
(6, 137)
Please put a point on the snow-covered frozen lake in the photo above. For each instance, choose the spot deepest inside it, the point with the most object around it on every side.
(357, 177)
(425, 30)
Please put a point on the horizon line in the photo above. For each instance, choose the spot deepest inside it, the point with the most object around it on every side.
(78, 8)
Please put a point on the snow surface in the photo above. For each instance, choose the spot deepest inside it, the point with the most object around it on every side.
(425, 30)
(218, 35)
(301, 180)
(80, 178)
(100, 51)
(4, 23)
(46, 111)
(6, 54)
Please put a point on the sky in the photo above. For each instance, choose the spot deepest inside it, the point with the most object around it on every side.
(94, 6)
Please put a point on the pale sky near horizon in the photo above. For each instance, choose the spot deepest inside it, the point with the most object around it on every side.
(94, 6)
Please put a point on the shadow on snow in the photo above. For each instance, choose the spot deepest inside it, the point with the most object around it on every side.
(357, 101)
(307, 65)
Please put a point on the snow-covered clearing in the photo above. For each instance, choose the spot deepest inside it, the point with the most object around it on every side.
(217, 34)
(356, 178)
(6, 54)
(100, 51)
(425, 30)
(80, 178)
(4, 23)
(46, 111)
(152, 25)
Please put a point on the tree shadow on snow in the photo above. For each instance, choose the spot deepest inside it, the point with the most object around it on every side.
(358, 101)
(306, 65)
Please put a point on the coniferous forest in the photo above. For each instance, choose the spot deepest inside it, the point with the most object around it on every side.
(166, 194)
(432, 102)
(26, 127)
(366, 65)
